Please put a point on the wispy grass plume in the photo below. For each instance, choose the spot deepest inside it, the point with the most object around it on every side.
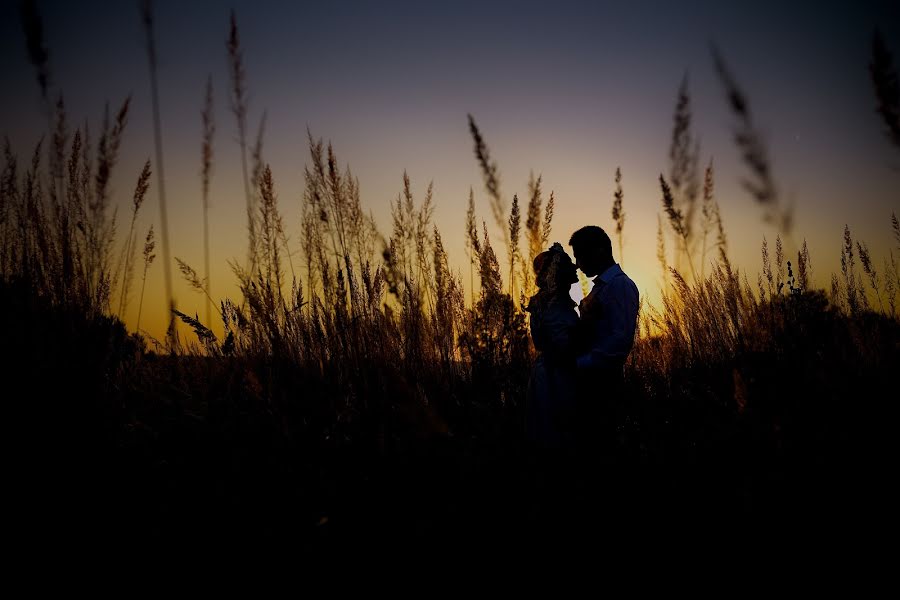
(548, 221)
(532, 232)
(890, 283)
(676, 220)
(149, 246)
(148, 20)
(767, 270)
(661, 251)
(804, 267)
(618, 213)
(754, 153)
(895, 227)
(100, 228)
(58, 153)
(779, 262)
(515, 224)
(848, 264)
(209, 130)
(684, 158)
(473, 244)
(190, 275)
(533, 216)
(127, 258)
(238, 100)
(38, 54)
(490, 268)
(868, 268)
(491, 178)
(887, 88)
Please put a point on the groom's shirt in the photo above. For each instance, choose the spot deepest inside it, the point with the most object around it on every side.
(608, 320)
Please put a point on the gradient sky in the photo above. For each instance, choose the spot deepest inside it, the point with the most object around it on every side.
(571, 90)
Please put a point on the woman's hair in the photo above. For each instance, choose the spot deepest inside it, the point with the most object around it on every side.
(551, 277)
(540, 261)
(548, 275)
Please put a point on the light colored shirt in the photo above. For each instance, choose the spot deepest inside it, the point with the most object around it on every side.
(608, 320)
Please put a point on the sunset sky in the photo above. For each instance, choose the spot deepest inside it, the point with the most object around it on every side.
(570, 90)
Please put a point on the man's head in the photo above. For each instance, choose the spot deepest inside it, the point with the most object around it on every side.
(592, 249)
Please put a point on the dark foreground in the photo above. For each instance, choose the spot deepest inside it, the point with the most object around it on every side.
(111, 442)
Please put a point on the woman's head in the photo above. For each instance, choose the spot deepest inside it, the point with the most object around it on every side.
(554, 270)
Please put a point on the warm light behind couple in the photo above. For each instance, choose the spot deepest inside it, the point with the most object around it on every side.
(576, 381)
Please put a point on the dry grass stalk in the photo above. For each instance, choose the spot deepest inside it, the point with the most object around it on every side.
(779, 262)
(532, 232)
(804, 267)
(149, 246)
(895, 227)
(684, 158)
(848, 263)
(238, 103)
(754, 153)
(515, 224)
(38, 55)
(205, 335)
(890, 285)
(126, 259)
(618, 213)
(206, 160)
(887, 88)
(767, 270)
(270, 226)
(490, 268)
(676, 221)
(100, 228)
(58, 155)
(473, 244)
(661, 251)
(548, 221)
(148, 20)
(712, 217)
(491, 176)
(866, 262)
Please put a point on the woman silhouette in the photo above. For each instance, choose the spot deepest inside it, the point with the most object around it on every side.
(550, 401)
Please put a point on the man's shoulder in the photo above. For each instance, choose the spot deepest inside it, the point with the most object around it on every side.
(623, 280)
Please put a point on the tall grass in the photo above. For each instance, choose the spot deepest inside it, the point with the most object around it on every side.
(126, 260)
(886, 84)
(209, 130)
(149, 247)
(238, 103)
(147, 19)
(618, 214)
(754, 152)
(684, 179)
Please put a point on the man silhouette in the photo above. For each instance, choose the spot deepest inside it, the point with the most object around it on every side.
(608, 318)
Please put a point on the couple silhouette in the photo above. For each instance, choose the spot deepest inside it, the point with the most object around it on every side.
(575, 387)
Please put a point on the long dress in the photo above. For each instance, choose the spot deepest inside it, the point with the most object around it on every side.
(550, 402)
